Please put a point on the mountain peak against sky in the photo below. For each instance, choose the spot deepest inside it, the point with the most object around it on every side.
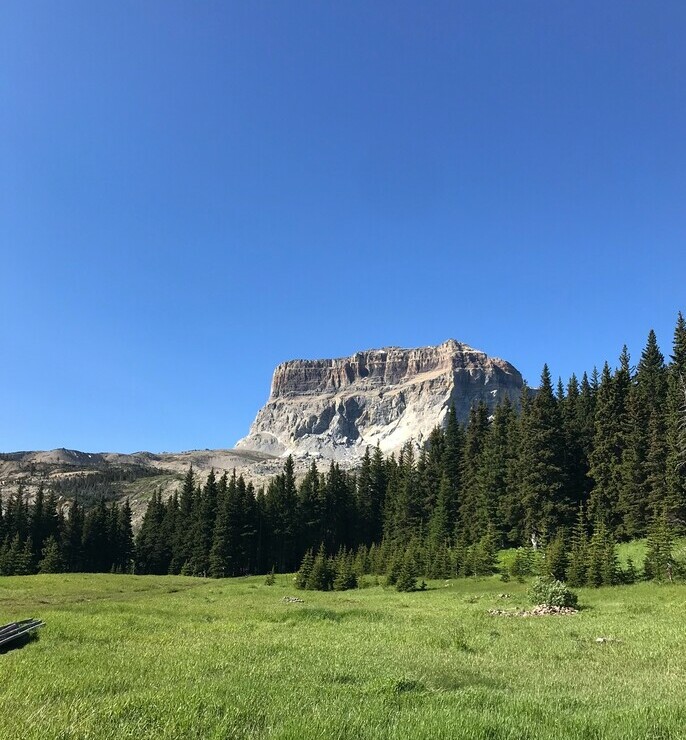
(335, 408)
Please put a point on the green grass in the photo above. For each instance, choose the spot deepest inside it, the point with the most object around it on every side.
(636, 550)
(172, 657)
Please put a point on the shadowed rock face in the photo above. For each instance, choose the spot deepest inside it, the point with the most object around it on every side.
(335, 408)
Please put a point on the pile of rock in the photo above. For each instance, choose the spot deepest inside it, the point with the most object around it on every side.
(292, 600)
(542, 610)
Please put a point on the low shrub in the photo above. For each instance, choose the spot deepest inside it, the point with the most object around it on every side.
(551, 592)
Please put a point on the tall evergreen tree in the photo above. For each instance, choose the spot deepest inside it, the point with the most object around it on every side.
(577, 565)
(659, 555)
(675, 462)
(452, 463)
(473, 514)
(153, 553)
(407, 512)
(496, 459)
(510, 510)
(205, 513)
(221, 553)
(609, 443)
(543, 490)
(575, 409)
(72, 542)
(124, 549)
(182, 538)
(439, 533)
(51, 560)
(643, 469)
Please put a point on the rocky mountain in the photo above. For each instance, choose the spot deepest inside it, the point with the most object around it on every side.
(91, 476)
(335, 408)
(330, 409)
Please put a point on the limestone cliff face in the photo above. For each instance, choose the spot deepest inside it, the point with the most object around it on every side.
(335, 408)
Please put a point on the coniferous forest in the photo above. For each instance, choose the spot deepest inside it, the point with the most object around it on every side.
(575, 468)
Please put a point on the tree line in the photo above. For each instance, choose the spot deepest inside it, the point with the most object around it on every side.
(572, 468)
(44, 537)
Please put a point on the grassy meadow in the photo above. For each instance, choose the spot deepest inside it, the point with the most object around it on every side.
(174, 657)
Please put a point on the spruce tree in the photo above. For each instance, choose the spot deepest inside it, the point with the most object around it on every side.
(493, 475)
(182, 540)
(452, 464)
(364, 500)
(643, 487)
(675, 433)
(557, 556)
(409, 506)
(124, 538)
(220, 559)
(153, 548)
(659, 559)
(303, 574)
(407, 573)
(203, 526)
(51, 561)
(5, 565)
(602, 559)
(544, 496)
(72, 542)
(440, 563)
(38, 520)
(575, 410)
(473, 515)
(361, 565)
(321, 577)
(483, 555)
(344, 574)
(3, 528)
(379, 474)
(577, 566)
(13, 557)
(632, 503)
(249, 526)
(609, 444)
(24, 562)
(96, 550)
(439, 524)
(510, 510)
(430, 468)
(290, 524)
(522, 563)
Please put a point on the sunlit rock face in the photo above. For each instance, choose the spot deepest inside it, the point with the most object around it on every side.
(335, 408)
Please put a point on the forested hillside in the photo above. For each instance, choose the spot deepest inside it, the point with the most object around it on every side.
(583, 465)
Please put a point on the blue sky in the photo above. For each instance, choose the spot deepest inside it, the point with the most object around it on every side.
(192, 192)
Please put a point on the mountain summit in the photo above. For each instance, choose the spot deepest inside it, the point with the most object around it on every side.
(335, 408)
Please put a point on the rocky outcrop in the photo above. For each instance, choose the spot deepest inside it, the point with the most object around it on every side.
(122, 476)
(336, 408)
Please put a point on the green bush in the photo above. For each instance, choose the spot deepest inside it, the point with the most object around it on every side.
(551, 592)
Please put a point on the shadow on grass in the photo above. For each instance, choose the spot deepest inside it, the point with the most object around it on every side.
(19, 643)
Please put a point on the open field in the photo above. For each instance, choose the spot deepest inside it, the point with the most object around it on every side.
(173, 657)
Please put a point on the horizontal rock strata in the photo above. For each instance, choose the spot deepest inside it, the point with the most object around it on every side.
(335, 408)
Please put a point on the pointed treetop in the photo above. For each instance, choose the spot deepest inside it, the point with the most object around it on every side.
(651, 357)
(679, 347)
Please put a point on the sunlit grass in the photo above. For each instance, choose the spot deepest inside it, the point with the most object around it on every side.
(173, 657)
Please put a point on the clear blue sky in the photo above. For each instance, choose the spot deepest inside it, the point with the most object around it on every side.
(192, 192)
